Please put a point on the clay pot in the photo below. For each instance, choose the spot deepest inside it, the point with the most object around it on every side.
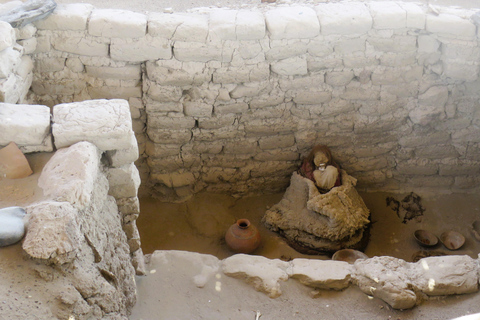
(242, 237)
(425, 238)
(349, 255)
(452, 240)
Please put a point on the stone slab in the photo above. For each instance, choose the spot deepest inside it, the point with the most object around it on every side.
(70, 175)
(26, 125)
(105, 123)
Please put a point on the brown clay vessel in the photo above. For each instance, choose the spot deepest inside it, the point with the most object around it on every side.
(242, 237)
(425, 238)
(349, 255)
(452, 240)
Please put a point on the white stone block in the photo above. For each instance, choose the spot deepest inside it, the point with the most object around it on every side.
(264, 274)
(290, 67)
(250, 25)
(7, 35)
(435, 96)
(388, 15)
(29, 45)
(222, 24)
(197, 109)
(200, 52)
(26, 125)
(322, 274)
(70, 175)
(142, 49)
(129, 72)
(163, 25)
(9, 60)
(26, 32)
(180, 27)
(348, 46)
(344, 18)
(311, 97)
(114, 23)
(105, 123)
(445, 275)
(192, 28)
(84, 46)
(416, 16)
(118, 158)
(294, 22)
(47, 64)
(176, 179)
(450, 25)
(124, 181)
(9, 91)
(53, 232)
(67, 17)
(171, 120)
(460, 71)
(339, 78)
(425, 114)
(175, 73)
(163, 94)
(428, 44)
(282, 49)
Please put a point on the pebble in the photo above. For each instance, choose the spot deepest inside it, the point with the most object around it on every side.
(12, 227)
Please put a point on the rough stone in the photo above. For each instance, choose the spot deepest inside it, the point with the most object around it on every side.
(26, 125)
(450, 25)
(105, 123)
(53, 232)
(146, 48)
(114, 23)
(386, 278)
(264, 274)
(321, 274)
(344, 19)
(124, 181)
(71, 173)
(67, 17)
(292, 22)
(12, 227)
(7, 35)
(388, 15)
(250, 25)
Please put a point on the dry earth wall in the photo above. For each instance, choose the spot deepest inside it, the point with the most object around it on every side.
(230, 100)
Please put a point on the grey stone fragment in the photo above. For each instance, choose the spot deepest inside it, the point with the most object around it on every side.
(12, 227)
(28, 12)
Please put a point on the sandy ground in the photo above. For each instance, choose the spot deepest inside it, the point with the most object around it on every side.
(167, 292)
(199, 224)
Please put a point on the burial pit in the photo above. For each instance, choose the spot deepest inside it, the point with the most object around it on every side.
(150, 133)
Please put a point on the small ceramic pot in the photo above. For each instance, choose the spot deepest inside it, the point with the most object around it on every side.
(242, 237)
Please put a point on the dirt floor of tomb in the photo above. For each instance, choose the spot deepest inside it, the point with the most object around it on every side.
(200, 224)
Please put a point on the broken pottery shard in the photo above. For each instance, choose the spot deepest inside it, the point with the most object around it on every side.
(28, 12)
(386, 278)
(322, 274)
(12, 227)
(13, 164)
(53, 232)
(264, 274)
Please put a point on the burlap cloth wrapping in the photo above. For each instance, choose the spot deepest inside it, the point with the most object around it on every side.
(316, 223)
